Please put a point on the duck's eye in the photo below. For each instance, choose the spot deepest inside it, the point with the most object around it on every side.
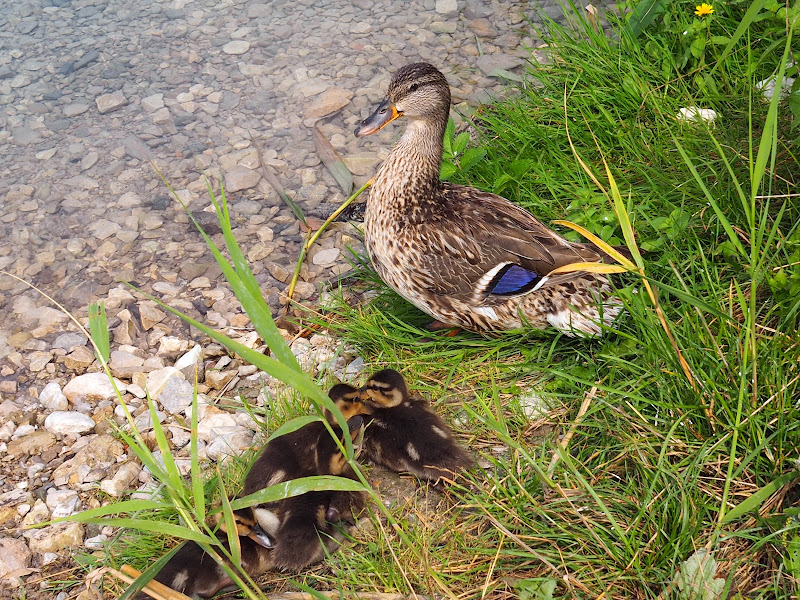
(414, 87)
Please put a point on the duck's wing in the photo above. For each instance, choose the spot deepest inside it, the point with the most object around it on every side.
(500, 249)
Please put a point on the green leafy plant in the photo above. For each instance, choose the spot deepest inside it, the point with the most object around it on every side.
(457, 157)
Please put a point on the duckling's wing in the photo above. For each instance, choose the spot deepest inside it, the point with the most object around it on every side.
(501, 249)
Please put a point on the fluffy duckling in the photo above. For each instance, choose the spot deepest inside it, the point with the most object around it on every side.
(403, 433)
(193, 572)
(289, 534)
(305, 527)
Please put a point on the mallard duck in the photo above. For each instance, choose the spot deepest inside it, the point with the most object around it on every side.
(402, 433)
(305, 527)
(469, 258)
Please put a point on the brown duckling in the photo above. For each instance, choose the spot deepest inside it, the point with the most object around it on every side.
(403, 433)
(288, 534)
(193, 572)
(304, 527)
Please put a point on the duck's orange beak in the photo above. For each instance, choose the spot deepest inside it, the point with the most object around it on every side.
(383, 115)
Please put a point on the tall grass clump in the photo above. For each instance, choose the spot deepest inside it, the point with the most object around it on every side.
(660, 461)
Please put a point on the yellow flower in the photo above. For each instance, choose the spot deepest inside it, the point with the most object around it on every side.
(703, 10)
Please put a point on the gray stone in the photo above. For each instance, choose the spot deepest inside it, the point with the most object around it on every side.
(229, 441)
(92, 385)
(176, 395)
(477, 9)
(55, 537)
(240, 178)
(236, 47)
(122, 479)
(157, 380)
(153, 103)
(448, 8)
(68, 422)
(489, 64)
(52, 398)
(333, 100)
(327, 257)
(69, 341)
(111, 102)
(62, 503)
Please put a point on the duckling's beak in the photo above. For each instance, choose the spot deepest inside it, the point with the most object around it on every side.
(260, 537)
(383, 115)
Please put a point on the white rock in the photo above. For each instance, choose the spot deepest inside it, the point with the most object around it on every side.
(110, 102)
(122, 480)
(97, 542)
(229, 441)
(176, 395)
(7, 430)
(157, 380)
(241, 178)
(206, 427)
(236, 47)
(92, 385)
(55, 537)
(68, 423)
(153, 103)
(52, 398)
(327, 257)
(62, 503)
(693, 113)
(191, 358)
(448, 8)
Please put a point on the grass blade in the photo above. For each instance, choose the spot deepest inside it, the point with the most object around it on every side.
(333, 161)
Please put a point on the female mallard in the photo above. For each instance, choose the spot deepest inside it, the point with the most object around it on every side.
(469, 258)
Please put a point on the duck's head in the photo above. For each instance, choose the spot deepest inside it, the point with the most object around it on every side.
(416, 91)
(348, 400)
(385, 389)
(246, 524)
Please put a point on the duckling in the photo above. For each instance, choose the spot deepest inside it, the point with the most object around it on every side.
(289, 534)
(305, 527)
(469, 258)
(193, 572)
(403, 433)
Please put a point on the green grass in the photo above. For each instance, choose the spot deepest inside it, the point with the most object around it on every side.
(660, 457)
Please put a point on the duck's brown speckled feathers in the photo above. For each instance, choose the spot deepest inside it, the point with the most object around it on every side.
(469, 258)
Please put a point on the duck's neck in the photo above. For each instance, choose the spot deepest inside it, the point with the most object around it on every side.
(411, 171)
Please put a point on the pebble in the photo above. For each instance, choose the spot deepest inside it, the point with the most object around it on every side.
(68, 422)
(53, 398)
(107, 103)
(236, 47)
(92, 385)
(15, 557)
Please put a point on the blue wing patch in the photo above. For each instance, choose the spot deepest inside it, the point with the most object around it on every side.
(511, 280)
